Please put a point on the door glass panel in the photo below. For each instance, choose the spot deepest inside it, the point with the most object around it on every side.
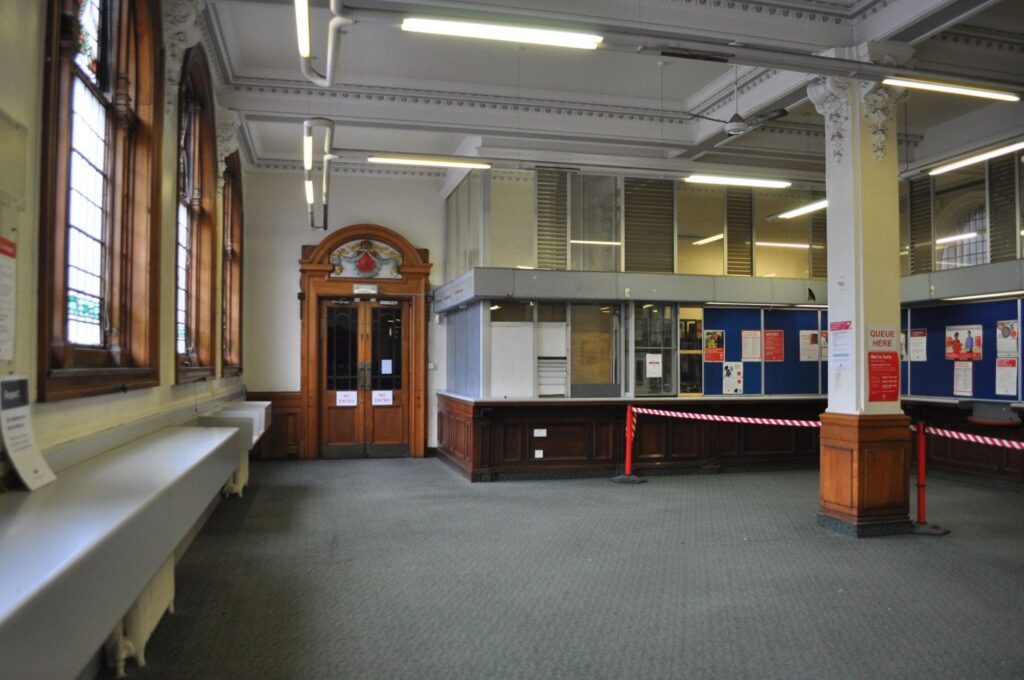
(342, 348)
(386, 329)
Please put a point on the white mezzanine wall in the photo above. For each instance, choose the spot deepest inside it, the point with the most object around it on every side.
(276, 228)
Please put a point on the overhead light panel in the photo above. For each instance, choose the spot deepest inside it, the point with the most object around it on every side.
(977, 158)
(951, 89)
(502, 32)
(738, 181)
(959, 237)
(430, 161)
(984, 296)
(802, 210)
(709, 239)
(302, 27)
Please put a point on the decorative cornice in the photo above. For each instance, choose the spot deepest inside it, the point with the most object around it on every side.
(511, 176)
(726, 95)
(976, 36)
(812, 11)
(341, 167)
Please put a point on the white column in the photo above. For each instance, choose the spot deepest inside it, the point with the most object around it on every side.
(863, 232)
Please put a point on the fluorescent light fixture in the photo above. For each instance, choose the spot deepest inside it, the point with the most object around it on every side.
(429, 162)
(807, 306)
(804, 209)
(595, 243)
(523, 266)
(302, 27)
(309, 191)
(709, 239)
(958, 237)
(984, 296)
(779, 244)
(495, 308)
(307, 150)
(951, 89)
(516, 34)
(971, 160)
(738, 181)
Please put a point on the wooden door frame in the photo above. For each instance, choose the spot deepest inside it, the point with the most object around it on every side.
(317, 284)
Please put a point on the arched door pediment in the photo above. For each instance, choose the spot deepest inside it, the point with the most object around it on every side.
(365, 251)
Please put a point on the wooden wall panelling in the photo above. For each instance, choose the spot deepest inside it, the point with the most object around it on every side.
(286, 436)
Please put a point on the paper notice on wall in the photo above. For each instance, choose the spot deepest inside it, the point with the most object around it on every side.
(347, 398)
(19, 439)
(918, 349)
(652, 363)
(714, 345)
(732, 377)
(1006, 338)
(382, 398)
(1006, 376)
(808, 345)
(883, 376)
(751, 345)
(903, 346)
(963, 378)
(8, 274)
(823, 345)
(840, 345)
(385, 367)
(774, 345)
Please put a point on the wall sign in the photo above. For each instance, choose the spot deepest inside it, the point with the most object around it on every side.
(1006, 376)
(346, 398)
(652, 362)
(963, 343)
(883, 376)
(732, 377)
(918, 350)
(808, 345)
(1006, 338)
(963, 378)
(19, 438)
(774, 345)
(714, 345)
(382, 398)
(840, 351)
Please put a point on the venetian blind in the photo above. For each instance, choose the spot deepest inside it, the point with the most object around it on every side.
(920, 225)
(819, 252)
(650, 223)
(1001, 205)
(739, 232)
(552, 217)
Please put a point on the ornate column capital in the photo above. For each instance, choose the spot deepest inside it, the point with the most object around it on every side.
(831, 98)
(879, 103)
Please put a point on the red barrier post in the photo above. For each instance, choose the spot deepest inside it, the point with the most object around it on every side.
(921, 446)
(629, 439)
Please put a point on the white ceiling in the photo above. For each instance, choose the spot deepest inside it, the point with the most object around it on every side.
(613, 107)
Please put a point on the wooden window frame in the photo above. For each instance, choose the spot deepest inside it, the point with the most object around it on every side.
(231, 282)
(130, 358)
(198, 364)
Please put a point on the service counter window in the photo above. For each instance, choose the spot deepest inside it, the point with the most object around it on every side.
(595, 239)
(552, 349)
(700, 221)
(691, 350)
(781, 246)
(511, 349)
(654, 349)
(959, 218)
(595, 350)
(512, 225)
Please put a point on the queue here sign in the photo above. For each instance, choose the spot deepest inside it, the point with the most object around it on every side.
(883, 364)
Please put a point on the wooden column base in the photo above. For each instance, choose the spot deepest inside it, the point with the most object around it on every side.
(865, 468)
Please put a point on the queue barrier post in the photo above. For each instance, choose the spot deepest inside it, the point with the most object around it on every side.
(627, 477)
(922, 527)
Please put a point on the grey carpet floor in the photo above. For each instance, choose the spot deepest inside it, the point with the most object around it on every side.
(401, 569)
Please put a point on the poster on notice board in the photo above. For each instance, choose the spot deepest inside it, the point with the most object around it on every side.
(1006, 338)
(732, 377)
(917, 349)
(1006, 376)
(963, 379)
(963, 343)
(714, 345)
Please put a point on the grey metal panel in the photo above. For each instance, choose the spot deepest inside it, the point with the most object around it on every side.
(741, 289)
(666, 287)
(463, 349)
(492, 282)
(791, 291)
(915, 288)
(990, 278)
(474, 346)
(560, 285)
(454, 293)
(820, 289)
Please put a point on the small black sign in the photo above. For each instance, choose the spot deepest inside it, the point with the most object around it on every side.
(14, 394)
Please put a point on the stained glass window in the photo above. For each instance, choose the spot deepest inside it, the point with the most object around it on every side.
(89, 24)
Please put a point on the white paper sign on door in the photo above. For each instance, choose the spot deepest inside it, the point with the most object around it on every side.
(385, 366)
(19, 439)
(382, 398)
(653, 362)
(346, 398)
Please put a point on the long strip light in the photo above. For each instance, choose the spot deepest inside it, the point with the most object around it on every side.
(959, 237)
(978, 158)
(951, 89)
(430, 161)
(738, 181)
(307, 162)
(984, 296)
(709, 239)
(340, 19)
(803, 210)
(780, 244)
(594, 243)
(505, 33)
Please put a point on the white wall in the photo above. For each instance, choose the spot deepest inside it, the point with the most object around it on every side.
(276, 228)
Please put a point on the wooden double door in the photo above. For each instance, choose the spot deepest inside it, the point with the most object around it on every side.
(364, 360)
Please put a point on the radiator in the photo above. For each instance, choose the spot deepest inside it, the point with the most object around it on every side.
(240, 479)
(132, 632)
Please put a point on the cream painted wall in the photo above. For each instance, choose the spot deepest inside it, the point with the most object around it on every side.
(276, 228)
(21, 72)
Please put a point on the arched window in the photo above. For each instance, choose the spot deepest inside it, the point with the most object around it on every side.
(195, 210)
(231, 283)
(100, 199)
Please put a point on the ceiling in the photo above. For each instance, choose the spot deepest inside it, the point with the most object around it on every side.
(622, 106)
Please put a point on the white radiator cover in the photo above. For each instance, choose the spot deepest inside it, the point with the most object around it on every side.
(132, 633)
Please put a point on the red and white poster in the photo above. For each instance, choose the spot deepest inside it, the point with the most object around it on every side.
(883, 376)
(714, 345)
(774, 345)
(840, 346)
(963, 343)
(1006, 376)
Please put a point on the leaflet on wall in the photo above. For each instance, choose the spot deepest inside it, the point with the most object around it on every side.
(1006, 338)
(19, 439)
(839, 338)
(751, 345)
(918, 349)
(652, 363)
(808, 345)
(732, 377)
(8, 275)
(1006, 376)
(774, 345)
(346, 398)
(963, 343)
(714, 345)
(883, 376)
(823, 345)
(382, 398)
(963, 378)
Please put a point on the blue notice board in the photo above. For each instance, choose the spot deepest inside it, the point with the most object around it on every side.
(791, 376)
(732, 320)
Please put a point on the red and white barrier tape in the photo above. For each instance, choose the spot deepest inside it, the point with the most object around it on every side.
(974, 438)
(727, 419)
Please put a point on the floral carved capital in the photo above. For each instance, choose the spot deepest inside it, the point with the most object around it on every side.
(879, 104)
(831, 98)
